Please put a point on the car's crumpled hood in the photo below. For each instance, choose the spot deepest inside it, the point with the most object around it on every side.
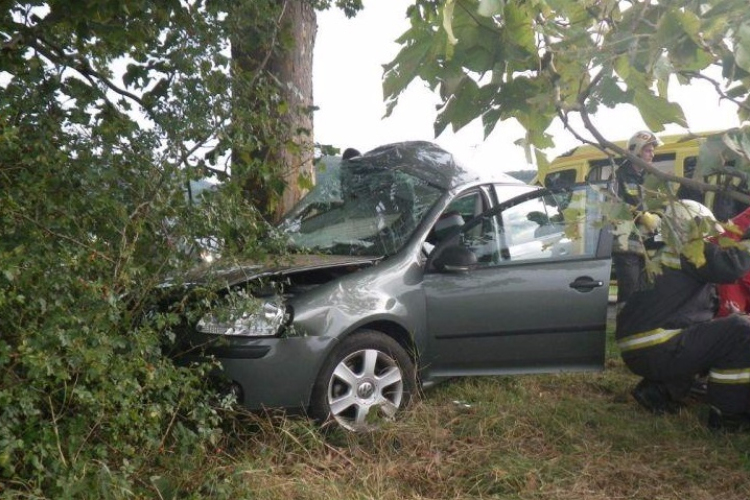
(231, 274)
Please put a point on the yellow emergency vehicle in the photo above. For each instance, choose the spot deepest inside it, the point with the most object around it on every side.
(677, 155)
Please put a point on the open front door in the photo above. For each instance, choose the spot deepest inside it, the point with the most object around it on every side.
(536, 299)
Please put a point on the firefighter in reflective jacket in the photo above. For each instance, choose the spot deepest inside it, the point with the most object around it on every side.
(667, 333)
(628, 250)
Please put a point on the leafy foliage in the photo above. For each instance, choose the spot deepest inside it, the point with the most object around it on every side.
(539, 60)
(109, 111)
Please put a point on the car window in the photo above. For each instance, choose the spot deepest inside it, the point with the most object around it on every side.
(685, 192)
(552, 225)
(688, 166)
(664, 162)
(531, 229)
(601, 170)
(359, 209)
(481, 236)
(468, 205)
(505, 192)
(462, 209)
(560, 179)
(558, 225)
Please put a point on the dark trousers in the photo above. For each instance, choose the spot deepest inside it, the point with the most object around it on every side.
(720, 347)
(629, 269)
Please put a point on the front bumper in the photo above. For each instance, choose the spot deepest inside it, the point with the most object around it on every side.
(270, 372)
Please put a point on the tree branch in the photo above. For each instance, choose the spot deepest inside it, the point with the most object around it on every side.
(61, 236)
(717, 86)
(271, 45)
(685, 181)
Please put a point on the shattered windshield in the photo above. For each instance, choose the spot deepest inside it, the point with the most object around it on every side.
(357, 208)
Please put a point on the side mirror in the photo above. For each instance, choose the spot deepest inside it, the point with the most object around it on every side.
(455, 259)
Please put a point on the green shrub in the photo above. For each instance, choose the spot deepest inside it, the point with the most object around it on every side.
(93, 217)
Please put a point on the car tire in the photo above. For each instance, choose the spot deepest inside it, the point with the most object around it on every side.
(368, 378)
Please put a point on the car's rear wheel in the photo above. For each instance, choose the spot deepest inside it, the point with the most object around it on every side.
(368, 377)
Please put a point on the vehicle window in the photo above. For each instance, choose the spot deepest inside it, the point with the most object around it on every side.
(560, 179)
(559, 226)
(664, 162)
(601, 170)
(505, 192)
(555, 225)
(359, 209)
(458, 212)
(688, 170)
(482, 238)
(688, 166)
(468, 205)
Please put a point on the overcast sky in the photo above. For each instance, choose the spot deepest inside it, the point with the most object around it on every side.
(347, 72)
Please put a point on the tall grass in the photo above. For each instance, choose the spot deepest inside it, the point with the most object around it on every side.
(567, 436)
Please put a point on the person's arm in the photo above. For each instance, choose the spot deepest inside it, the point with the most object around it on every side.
(725, 265)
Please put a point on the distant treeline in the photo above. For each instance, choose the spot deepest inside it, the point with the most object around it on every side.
(523, 175)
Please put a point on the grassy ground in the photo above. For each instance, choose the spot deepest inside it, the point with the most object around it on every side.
(568, 436)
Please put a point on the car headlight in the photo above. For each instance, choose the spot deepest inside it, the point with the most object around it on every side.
(208, 256)
(265, 322)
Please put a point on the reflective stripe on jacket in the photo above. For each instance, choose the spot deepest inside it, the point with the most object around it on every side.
(646, 339)
(630, 190)
(735, 376)
(683, 294)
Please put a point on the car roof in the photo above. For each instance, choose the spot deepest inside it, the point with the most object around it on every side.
(431, 163)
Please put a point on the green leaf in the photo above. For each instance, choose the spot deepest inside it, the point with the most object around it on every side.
(742, 47)
(622, 67)
(489, 8)
(490, 118)
(542, 162)
(519, 27)
(744, 112)
(462, 108)
(737, 91)
(407, 65)
(663, 70)
(677, 24)
(657, 111)
(738, 142)
(611, 94)
(693, 251)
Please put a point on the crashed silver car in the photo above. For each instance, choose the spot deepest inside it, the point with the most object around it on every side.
(405, 269)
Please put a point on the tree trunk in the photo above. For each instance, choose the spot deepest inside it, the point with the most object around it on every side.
(294, 69)
(275, 109)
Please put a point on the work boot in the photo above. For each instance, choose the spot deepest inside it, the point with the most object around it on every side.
(699, 389)
(655, 397)
(728, 422)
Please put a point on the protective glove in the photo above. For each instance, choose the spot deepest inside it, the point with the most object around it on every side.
(648, 222)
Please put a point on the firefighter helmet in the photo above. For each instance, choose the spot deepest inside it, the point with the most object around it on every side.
(686, 213)
(641, 139)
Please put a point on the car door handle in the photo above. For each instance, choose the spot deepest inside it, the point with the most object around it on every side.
(586, 284)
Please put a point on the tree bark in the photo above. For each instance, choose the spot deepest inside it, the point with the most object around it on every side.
(295, 70)
(276, 53)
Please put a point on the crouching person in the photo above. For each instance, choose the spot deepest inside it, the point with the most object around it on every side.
(667, 332)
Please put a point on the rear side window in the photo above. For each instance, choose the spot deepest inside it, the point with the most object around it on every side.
(560, 179)
(688, 170)
(664, 162)
(601, 170)
(688, 166)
